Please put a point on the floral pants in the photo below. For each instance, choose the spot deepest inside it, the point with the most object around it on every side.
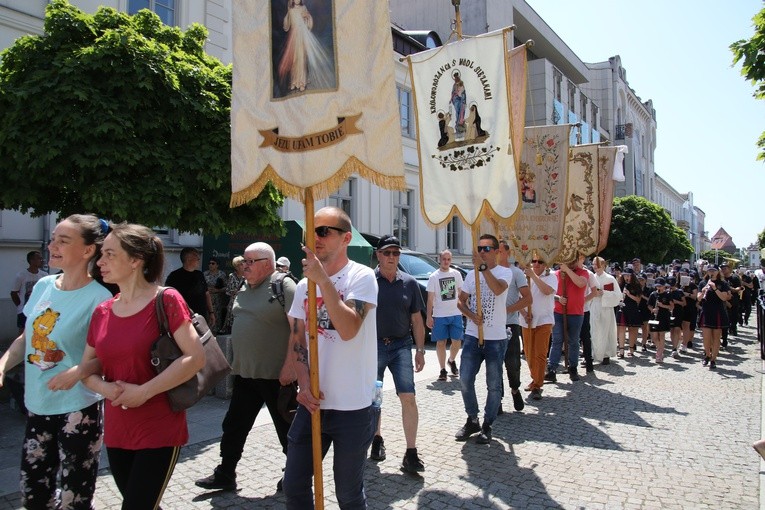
(66, 445)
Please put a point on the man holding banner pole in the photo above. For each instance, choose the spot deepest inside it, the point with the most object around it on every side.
(494, 282)
(347, 358)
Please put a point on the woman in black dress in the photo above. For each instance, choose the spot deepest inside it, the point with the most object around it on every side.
(713, 317)
(645, 312)
(690, 313)
(661, 305)
(629, 317)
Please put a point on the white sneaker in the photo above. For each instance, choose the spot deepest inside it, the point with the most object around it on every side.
(675, 354)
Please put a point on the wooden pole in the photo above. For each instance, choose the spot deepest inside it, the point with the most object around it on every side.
(458, 18)
(477, 275)
(313, 353)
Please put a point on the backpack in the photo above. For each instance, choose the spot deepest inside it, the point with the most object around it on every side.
(277, 286)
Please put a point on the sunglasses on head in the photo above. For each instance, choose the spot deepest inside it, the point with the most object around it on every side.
(485, 249)
(324, 231)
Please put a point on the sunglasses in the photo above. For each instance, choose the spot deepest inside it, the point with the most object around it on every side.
(250, 262)
(324, 231)
(213, 263)
(537, 261)
(485, 249)
(391, 253)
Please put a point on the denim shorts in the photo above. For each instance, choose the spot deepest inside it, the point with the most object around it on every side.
(447, 327)
(397, 357)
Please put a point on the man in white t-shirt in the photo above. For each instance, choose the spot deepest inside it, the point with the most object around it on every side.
(443, 316)
(494, 282)
(347, 343)
(22, 286)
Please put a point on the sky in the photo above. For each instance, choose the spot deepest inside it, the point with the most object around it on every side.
(707, 122)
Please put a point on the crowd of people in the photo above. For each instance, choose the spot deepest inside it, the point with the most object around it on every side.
(86, 334)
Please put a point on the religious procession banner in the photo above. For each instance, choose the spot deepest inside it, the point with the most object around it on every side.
(518, 85)
(314, 97)
(608, 172)
(581, 227)
(543, 183)
(462, 106)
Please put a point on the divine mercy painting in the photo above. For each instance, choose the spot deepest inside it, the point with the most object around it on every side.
(302, 47)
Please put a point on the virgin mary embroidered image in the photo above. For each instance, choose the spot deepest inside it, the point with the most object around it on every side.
(302, 47)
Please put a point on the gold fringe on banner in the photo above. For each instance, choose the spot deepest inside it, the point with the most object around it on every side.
(320, 190)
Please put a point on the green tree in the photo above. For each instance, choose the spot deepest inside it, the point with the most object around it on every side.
(761, 239)
(125, 117)
(640, 228)
(751, 53)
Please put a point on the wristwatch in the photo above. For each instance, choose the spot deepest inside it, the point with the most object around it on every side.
(421, 351)
(482, 267)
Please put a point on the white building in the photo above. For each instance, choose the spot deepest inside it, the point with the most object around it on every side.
(562, 89)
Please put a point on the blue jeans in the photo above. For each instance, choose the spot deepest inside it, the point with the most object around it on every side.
(493, 351)
(574, 327)
(397, 357)
(350, 433)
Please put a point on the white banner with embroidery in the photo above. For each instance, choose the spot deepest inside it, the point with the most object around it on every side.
(462, 107)
(314, 97)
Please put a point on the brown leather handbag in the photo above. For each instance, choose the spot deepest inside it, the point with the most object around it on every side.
(164, 351)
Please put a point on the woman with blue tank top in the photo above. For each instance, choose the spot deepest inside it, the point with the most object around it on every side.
(63, 435)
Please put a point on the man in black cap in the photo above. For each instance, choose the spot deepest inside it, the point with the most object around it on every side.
(399, 316)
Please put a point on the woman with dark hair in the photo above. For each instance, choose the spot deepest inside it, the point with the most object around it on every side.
(629, 316)
(216, 286)
(713, 317)
(661, 305)
(233, 286)
(62, 440)
(142, 434)
(690, 313)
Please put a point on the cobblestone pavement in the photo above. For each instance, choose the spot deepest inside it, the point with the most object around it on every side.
(632, 435)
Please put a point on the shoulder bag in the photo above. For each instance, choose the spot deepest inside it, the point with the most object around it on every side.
(164, 351)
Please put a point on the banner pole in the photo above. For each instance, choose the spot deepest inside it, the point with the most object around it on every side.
(458, 18)
(477, 274)
(313, 354)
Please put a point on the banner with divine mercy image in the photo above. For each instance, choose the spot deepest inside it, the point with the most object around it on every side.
(462, 109)
(313, 98)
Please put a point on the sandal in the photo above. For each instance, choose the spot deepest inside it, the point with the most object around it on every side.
(620, 354)
(631, 353)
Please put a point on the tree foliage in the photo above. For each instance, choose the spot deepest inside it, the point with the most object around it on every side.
(751, 53)
(125, 117)
(761, 239)
(640, 228)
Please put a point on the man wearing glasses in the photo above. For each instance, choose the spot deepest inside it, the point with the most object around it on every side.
(346, 311)
(494, 282)
(259, 340)
(399, 316)
(190, 282)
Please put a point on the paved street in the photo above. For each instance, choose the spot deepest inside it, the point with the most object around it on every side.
(633, 435)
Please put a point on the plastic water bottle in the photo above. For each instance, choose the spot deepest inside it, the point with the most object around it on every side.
(377, 401)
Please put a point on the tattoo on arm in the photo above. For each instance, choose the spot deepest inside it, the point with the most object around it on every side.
(302, 354)
(360, 307)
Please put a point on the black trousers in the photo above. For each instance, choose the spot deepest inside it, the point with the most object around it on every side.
(142, 475)
(513, 357)
(585, 337)
(247, 400)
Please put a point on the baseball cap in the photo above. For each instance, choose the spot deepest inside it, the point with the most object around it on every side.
(388, 242)
(283, 261)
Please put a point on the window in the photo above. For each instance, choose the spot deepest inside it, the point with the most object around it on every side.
(402, 215)
(583, 109)
(571, 96)
(343, 198)
(557, 84)
(405, 110)
(594, 118)
(165, 9)
(453, 234)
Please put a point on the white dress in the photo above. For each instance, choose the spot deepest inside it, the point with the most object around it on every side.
(603, 319)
